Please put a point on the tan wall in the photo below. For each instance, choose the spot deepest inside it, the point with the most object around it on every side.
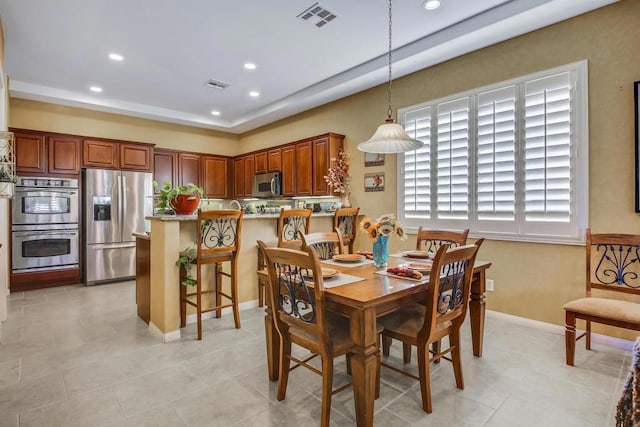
(35, 115)
(531, 280)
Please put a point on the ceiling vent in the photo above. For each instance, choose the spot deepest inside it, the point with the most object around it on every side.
(216, 84)
(317, 14)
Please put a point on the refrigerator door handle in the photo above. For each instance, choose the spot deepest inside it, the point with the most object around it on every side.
(120, 200)
(103, 246)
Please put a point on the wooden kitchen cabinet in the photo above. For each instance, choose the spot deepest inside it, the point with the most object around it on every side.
(274, 160)
(249, 172)
(135, 157)
(304, 168)
(100, 154)
(165, 167)
(325, 148)
(64, 155)
(188, 168)
(30, 152)
(214, 176)
(289, 170)
(261, 162)
(238, 177)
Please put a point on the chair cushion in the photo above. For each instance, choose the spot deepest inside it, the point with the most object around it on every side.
(408, 321)
(624, 311)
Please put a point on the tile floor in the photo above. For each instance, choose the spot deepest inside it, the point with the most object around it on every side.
(78, 356)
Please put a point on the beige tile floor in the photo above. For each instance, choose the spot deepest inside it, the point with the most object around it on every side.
(78, 356)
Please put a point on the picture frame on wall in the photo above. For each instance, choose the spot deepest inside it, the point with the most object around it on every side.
(636, 96)
(373, 159)
(374, 181)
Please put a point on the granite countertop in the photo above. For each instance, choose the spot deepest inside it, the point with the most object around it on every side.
(145, 236)
(246, 216)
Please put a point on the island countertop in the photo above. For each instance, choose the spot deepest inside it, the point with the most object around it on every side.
(246, 216)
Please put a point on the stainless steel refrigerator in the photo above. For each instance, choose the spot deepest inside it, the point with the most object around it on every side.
(115, 204)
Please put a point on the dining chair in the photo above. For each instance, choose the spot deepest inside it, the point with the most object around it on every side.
(325, 244)
(346, 220)
(613, 269)
(218, 241)
(442, 316)
(433, 239)
(296, 298)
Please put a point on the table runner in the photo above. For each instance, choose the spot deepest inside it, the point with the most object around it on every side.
(347, 264)
(341, 279)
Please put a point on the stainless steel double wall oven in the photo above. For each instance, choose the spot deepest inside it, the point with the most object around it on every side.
(45, 233)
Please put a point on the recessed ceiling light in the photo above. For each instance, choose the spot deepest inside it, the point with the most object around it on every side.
(250, 66)
(215, 113)
(116, 56)
(432, 4)
(254, 94)
(96, 89)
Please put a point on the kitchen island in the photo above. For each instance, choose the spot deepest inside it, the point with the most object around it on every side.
(171, 235)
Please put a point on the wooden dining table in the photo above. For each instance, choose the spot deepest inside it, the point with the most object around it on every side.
(363, 302)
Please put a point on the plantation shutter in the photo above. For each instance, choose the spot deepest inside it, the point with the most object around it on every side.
(496, 147)
(417, 165)
(547, 125)
(453, 159)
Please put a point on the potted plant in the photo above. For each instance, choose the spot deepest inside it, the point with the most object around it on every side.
(182, 199)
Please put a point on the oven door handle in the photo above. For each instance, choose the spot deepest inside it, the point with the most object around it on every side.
(42, 190)
(45, 233)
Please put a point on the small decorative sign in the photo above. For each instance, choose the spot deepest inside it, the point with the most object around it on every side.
(374, 181)
(373, 159)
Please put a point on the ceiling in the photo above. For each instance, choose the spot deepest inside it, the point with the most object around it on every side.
(56, 50)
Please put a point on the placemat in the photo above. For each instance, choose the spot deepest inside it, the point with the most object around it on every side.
(341, 279)
(347, 264)
(425, 277)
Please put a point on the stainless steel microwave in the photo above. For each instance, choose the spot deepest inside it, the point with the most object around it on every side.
(267, 184)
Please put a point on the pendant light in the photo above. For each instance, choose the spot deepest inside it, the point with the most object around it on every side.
(390, 137)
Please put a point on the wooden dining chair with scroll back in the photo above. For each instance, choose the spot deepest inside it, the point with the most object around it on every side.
(292, 224)
(346, 220)
(446, 307)
(326, 244)
(218, 241)
(296, 298)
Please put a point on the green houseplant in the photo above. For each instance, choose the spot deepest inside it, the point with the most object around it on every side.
(186, 261)
(181, 199)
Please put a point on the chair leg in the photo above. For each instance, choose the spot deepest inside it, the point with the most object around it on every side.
(327, 388)
(425, 377)
(234, 293)
(436, 348)
(406, 352)
(588, 336)
(218, 288)
(456, 357)
(386, 344)
(347, 357)
(199, 305)
(183, 305)
(378, 364)
(570, 336)
(260, 293)
(285, 365)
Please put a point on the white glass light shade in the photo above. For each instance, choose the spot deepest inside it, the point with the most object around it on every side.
(389, 138)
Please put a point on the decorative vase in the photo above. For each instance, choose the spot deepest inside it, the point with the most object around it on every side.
(345, 199)
(381, 251)
(185, 204)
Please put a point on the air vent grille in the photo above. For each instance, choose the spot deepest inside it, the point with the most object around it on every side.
(216, 84)
(317, 15)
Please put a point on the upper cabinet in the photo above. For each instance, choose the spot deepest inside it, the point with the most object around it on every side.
(165, 167)
(100, 154)
(135, 157)
(38, 153)
(325, 148)
(304, 168)
(289, 170)
(188, 168)
(261, 162)
(214, 176)
(249, 171)
(274, 160)
(243, 171)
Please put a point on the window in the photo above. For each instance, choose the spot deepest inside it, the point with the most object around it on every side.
(508, 161)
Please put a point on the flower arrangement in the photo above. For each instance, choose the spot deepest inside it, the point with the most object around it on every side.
(338, 175)
(384, 225)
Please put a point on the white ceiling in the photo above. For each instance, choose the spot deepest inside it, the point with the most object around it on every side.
(56, 50)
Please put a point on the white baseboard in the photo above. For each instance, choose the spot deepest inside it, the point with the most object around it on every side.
(247, 305)
(165, 336)
(557, 329)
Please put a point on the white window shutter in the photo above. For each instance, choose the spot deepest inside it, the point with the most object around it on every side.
(417, 165)
(452, 158)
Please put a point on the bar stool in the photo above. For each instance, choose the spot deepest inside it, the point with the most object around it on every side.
(218, 240)
(292, 224)
(345, 220)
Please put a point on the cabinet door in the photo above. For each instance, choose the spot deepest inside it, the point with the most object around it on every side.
(321, 162)
(261, 162)
(188, 168)
(64, 155)
(165, 167)
(238, 177)
(304, 169)
(100, 154)
(288, 170)
(249, 172)
(275, 160)
(214, 176)
(30, 151)
(135, 157)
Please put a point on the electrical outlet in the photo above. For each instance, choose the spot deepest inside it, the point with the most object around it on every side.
(490, 285)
